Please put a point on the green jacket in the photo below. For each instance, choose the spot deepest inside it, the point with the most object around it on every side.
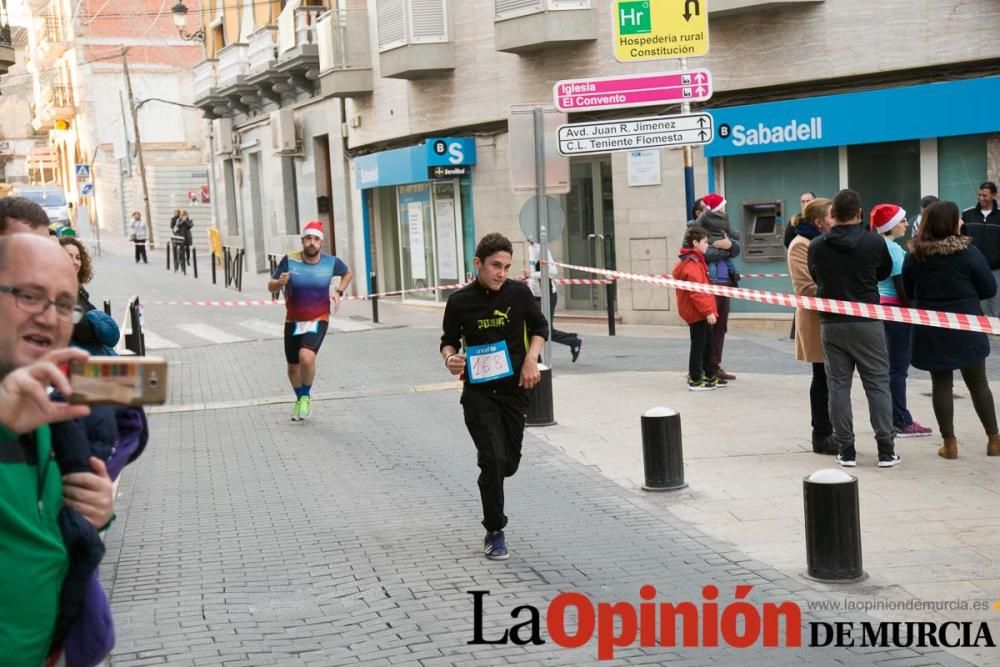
(33, 559)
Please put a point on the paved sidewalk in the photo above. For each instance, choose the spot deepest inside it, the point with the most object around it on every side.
(244, 539)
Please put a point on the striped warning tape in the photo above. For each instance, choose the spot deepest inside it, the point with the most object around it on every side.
(281, 302)
(932, 318)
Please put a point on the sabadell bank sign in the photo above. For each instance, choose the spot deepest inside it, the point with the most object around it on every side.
(888, 114)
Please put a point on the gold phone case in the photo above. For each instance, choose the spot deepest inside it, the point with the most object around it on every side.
(119, 381)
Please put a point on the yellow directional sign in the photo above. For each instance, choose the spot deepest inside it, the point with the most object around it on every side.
(659, 29)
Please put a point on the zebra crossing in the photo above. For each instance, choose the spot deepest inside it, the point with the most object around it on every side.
(165, 336)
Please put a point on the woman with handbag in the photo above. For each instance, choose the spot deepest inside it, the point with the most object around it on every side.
(138, 234)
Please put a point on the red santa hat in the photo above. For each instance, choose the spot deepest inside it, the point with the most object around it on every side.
(314, 228)
(886, 216)
(714, 202)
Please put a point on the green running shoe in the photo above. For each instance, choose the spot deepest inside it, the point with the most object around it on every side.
(305, 407)
(297, 411)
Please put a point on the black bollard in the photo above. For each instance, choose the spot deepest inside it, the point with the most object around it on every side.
(662, 454)
(833, 527)
(212, 260)
(540, 401)
(194, 261)
(374, 298)
(107, 307)
(610, 297)
(168, 255)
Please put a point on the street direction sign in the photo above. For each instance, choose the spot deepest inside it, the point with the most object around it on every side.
(86, 189)
(635, 134)
(637, 90)
(659, 29)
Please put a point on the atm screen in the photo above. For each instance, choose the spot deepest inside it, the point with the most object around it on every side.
(764, 224)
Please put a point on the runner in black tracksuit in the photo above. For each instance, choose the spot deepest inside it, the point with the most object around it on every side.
(501, 316)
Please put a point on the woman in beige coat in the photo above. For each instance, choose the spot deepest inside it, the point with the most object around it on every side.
(815, 221)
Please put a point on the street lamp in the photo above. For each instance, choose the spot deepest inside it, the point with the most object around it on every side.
(180, 12)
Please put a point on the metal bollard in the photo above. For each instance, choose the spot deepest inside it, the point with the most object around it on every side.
(610, 297)
(194, 261)
(107, 307)
(662, 454)
(540, 400)
(168, 255)
(212, 260)
(374, 299)
(833, 527)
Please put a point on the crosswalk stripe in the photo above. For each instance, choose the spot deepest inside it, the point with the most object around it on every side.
(265, 327)
(348, 325)
(155, 342)
(210, 333)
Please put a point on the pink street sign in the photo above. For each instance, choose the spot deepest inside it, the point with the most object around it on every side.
(637, 90)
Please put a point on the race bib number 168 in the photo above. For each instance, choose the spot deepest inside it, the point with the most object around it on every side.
(488, 362)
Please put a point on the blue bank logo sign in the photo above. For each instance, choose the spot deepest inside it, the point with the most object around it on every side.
(761, 134)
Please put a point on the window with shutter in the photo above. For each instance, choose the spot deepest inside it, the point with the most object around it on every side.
(508, 9)
(391, 23)
(428, 21)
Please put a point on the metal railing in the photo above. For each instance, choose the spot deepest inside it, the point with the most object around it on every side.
(232, 259)
(342, 35)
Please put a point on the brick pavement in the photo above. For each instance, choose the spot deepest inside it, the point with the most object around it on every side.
(352, 538)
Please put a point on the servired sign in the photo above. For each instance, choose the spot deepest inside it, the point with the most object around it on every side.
(636, 90)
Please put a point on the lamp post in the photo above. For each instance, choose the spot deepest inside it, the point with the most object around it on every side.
(180, 12)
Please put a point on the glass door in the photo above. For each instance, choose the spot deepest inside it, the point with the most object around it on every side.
(447, 235)
(590, 228)
(416, 236)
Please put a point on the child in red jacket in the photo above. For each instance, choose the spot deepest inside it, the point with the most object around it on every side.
(696, 308)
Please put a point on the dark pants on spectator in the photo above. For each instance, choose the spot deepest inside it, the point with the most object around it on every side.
(718, 335)
(701, 349)
(897, 339)
(140, 252)
(979, 390)
(561, 337)
(495, 419)
(858, 344)
(819, 402)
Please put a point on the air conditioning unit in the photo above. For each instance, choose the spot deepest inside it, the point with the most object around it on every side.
(283, 135)
(222, 128)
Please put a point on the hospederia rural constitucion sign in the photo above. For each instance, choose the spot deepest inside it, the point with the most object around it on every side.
(659, 29)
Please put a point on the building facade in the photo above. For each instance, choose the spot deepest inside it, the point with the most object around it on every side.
(348, 110)
(79, 104)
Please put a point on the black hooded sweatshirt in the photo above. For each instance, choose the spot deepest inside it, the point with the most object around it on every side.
(847, 264)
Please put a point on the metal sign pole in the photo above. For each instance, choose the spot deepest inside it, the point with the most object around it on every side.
(543, 230)
(688, 159)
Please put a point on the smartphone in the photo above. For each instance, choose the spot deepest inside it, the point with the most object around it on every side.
(118, 381)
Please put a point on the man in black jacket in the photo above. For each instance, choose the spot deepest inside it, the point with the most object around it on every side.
(847, 264)
(982, 223)
(502, 329)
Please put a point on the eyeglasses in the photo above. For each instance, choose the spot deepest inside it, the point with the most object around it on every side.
(36, 303)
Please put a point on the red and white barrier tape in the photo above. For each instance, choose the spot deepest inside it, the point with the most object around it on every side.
(932, 318)
(764, 275)
(582, 281)
(281, 302)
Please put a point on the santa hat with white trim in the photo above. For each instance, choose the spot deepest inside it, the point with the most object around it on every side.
(714, 202)
(886, 216)
(314, 228)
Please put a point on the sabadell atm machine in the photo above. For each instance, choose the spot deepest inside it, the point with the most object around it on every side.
(763, 230)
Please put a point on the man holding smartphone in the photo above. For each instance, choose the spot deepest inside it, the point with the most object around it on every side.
(305, 278)
(38, 305)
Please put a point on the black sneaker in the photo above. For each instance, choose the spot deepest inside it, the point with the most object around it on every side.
(824, 444)
(575, 350)
(846, 462)
(700, 385)
(888, 460)
(494, 546)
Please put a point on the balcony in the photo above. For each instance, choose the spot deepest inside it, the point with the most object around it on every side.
(413, 39)
(734, 7)
(345, 67)
(298, 48)
(206, 87)
(61, 105)
(51, 42)
(262, 75)
(523, 26)
(233, 66)
(7, 59)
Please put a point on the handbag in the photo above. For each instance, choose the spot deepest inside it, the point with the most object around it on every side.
(734, 278)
